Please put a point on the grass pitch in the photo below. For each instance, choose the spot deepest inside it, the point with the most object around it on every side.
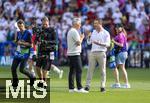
(138, 78)
(139, 92)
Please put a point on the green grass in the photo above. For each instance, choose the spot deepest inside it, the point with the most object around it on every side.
(139, 93)
(138, 78)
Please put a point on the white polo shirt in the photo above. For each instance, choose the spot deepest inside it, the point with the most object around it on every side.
(72, 37)
(102, 37)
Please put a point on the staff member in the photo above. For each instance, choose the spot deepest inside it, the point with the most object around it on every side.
(74, 40)
(120, 42)
(100, 40)
(23, 40)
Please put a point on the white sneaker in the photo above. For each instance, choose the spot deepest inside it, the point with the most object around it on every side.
(48, 74)
(33, 73)
(61, 74)
(45, 84)
(73, 90)
(116, 85)
(126, 86)
(82, 90)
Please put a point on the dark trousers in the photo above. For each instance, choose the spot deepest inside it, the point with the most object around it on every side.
(15, 64)
(75, 69)
(44, 63)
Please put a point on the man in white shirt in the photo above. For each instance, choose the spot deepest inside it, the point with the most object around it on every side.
(74, 40)
(100, 10)
(100, 40)
(139, 4)
(133, 14)
(117, 16)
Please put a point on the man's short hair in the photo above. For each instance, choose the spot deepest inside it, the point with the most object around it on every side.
(45, 18)
(99, 21)
(20, 21)
(76, 20)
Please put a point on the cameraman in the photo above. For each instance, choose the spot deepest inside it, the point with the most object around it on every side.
(46, 42)
(23, 41)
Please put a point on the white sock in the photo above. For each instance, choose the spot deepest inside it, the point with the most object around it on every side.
(33, 72)
(27, 66)
(55, 68)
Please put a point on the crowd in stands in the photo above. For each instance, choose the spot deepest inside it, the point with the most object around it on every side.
(133, 14)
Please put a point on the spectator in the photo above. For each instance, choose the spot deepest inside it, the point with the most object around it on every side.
(132, 15)
(3, 34)
(2, 57)
(63, 11)
(100, 11)
(139, 4)
(117, 15)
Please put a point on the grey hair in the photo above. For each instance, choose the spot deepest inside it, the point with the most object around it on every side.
(76, 20)
(45, 18)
